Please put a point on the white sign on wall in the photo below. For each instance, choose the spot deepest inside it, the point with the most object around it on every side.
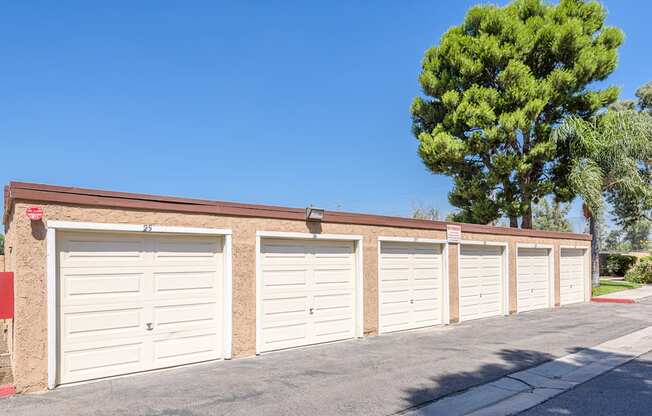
(453, 233)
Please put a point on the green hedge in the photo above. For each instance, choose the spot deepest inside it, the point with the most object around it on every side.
(641, 272)
(616, 264)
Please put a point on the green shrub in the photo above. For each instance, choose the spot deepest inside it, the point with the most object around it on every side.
(617, 264)
(641, 272)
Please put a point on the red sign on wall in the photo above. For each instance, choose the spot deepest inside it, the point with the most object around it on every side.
(6, 295)
(35, 213)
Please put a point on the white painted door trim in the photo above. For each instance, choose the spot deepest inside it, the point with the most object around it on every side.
(505, 277)
(551, 270)
(359, 287)
(52, 280)
(445, 307)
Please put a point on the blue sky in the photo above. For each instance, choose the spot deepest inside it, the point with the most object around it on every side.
(292, 103)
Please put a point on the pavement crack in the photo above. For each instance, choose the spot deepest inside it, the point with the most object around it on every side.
(530, 386)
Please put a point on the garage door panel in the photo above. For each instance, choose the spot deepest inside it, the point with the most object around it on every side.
(185, 347)
(490, 292)
(332, 251)
(99, 249)
(572, 294)
(277, 251)
(392, 274)
(182, 282)
(424, 318)
(470, 286)
(326, 330)
(333, 301)
(184, 249)
(87, 325)
(480, 280)
(395, 296)
(397, 320)
(180, 317)
(103, 360)
(396, 250)
(533, 280)
(294, 279)
(410, 285)
(284, 308)
(469, 298)
(286, 335)
(572, 276)
(98, 285)
(105, 305)
(427, 292)
(308, 292)
(333, 277)
(491, 302)
(427, 273)
(426, 305)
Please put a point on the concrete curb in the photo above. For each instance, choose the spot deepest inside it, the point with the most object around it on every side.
(522, 390)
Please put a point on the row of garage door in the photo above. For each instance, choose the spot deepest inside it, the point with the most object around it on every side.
(130, 302)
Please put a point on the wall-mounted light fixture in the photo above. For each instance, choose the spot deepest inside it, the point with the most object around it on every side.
(314, 214)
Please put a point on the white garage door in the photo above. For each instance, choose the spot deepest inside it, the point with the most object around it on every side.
(410, 285)
(481, 288)
(307, 292)
(533, 279)
(135, 302)
(572, 276)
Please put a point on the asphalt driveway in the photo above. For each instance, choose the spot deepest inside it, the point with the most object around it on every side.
(382, 375)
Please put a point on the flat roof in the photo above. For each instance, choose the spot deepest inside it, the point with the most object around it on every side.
(100, 198)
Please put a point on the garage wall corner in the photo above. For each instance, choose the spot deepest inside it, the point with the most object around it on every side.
(453, 282)
(512, 279)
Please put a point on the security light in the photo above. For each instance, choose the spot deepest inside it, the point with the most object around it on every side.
(314, 214)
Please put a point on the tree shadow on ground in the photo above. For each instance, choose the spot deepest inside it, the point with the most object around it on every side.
(510, 361)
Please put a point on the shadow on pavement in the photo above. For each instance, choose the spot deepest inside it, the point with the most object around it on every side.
(513, 360)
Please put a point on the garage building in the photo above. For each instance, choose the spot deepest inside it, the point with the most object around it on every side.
(111, 283)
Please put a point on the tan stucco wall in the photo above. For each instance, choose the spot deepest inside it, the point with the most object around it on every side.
(453, 282)
(29, 249)
(2, 263)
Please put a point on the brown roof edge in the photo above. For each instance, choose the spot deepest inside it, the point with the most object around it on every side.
(93, 197)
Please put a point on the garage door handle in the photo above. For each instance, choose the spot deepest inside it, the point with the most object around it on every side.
(411, 301)
(312, 311)
(150, 326)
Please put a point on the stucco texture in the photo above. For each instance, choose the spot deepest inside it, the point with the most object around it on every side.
(27, 242)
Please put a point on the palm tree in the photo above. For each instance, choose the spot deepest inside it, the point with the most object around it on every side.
(607, 156)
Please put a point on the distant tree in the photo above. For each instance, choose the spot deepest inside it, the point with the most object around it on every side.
(423, 212)
(644, 95)
(614, 242)
(551, 216)
(495, 87)
(2, 244)
(637, 235)
(451, 216)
